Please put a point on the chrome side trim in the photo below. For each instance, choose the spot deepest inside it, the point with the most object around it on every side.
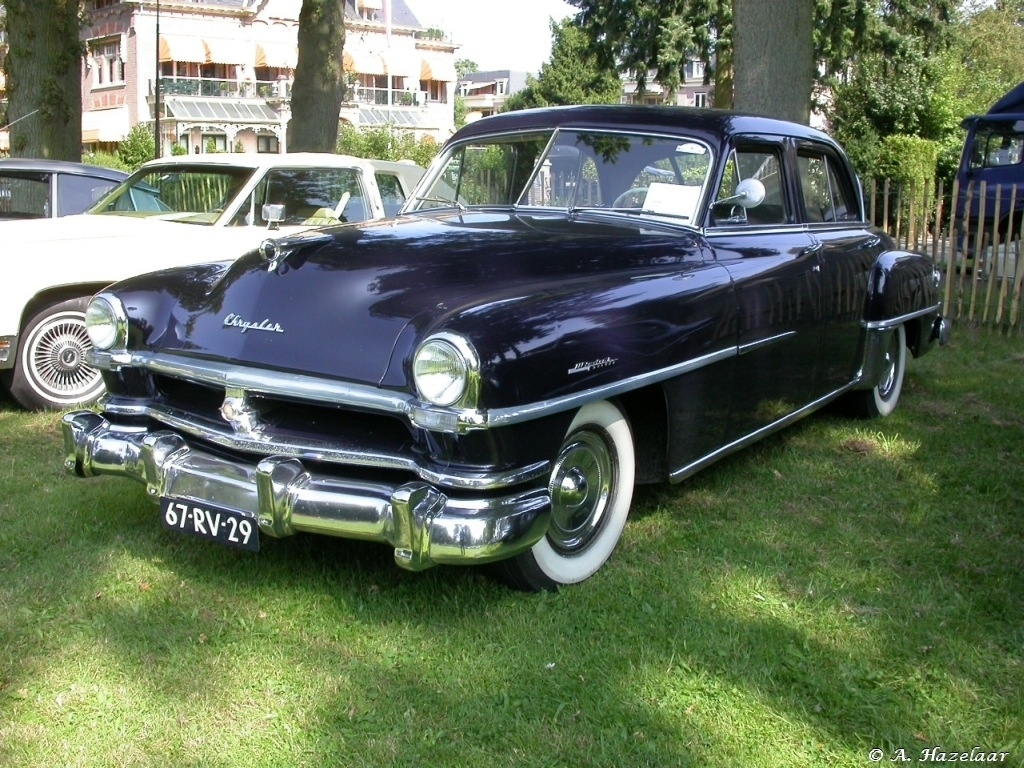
(425, 526)
(423, 415)
(877, 325)
(500, 417)
(332, 452)
(755, 345)
(686, 471)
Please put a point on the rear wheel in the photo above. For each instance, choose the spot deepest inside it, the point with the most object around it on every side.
(882, 399)
(50, 372)
(591, 488)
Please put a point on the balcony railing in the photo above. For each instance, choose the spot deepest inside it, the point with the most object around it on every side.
(379, 97)
(282, 89)
(228, 89)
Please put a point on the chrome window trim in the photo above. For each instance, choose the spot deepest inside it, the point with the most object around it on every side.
(555, 131)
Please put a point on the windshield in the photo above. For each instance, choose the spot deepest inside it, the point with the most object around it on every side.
(572, 170)
(186, 193)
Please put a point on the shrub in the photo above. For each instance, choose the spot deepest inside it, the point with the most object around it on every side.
(385, 142)
(137, 147)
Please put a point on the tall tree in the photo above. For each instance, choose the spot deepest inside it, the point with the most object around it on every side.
(640, 37)
(892, 83)
(319, 85)
(573, 75)
(43, 70)
(773, 58)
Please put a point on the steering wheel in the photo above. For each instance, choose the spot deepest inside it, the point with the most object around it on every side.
(636, 192)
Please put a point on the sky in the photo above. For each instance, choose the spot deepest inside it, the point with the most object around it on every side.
(496, 34)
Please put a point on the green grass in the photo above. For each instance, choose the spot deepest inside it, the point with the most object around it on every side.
(842, 586)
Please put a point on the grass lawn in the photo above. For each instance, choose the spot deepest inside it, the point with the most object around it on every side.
(840, 587)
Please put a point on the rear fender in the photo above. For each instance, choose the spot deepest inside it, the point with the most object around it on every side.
(903, 289)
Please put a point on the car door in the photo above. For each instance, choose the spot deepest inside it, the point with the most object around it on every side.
(775, 267)
(848, 248)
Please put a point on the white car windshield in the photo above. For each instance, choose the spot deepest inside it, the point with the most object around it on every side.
(573, 170)
(190, 194)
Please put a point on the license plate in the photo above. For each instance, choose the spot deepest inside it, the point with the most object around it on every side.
(206, 521)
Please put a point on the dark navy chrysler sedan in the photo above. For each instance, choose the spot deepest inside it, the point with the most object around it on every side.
(573, 301)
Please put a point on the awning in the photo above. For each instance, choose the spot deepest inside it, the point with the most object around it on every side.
(402, 63)
(372, 5)
(276, 54)
(479, 86)
(182, 48)
(229, 110)
(223, 51)
(105, 125)
(437, 67)
(363, 62)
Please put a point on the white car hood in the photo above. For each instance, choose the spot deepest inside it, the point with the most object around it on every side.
(95, 250)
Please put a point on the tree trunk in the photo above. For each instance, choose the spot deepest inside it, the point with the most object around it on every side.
(319, 85)
(44, 87)
(773, 57)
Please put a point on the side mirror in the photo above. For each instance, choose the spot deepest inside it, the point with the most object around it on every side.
(749, 194)
(273, 214)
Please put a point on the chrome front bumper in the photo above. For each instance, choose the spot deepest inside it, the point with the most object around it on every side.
(424, 525)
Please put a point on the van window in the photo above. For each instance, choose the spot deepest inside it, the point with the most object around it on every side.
(997, 146)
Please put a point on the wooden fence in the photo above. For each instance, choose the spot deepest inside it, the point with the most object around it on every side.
(982, 274)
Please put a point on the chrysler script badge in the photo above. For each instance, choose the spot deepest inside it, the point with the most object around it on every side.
(593, 365)
(237, 321)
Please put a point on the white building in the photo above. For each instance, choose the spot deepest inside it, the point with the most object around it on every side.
(226, 68)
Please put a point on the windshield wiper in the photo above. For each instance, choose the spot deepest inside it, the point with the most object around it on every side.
(631, 211)
(442, 200)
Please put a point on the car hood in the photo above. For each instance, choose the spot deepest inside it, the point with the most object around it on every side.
(352, 302)
(85, 226)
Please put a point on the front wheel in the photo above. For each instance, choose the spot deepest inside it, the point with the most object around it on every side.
(591, 488)
(51, 372)
(882, 399)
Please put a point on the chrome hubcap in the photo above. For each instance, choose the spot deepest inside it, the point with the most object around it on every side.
(580, 488)
(889, 380)
(57, 359)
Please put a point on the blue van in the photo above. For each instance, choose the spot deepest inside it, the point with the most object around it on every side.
(994, 155)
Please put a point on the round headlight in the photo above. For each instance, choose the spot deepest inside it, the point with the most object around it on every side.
(441, 370)
(104, 321)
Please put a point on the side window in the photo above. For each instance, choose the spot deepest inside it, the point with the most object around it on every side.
(310, 196)
(825, 192)
(996, 148)
(391, 194)
(78, 193)
(763, 164)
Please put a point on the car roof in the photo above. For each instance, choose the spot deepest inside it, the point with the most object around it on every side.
(59, 166)
(711, 124)
(287, 160)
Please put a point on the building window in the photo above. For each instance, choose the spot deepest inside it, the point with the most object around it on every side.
(108, 69)
(97, 4)
(700, 99)
(268, 145)
(215, 142)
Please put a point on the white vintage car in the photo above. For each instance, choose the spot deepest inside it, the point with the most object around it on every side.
(172, 211)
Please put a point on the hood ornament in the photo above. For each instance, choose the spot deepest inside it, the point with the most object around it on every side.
(272, 253)
(239, 412)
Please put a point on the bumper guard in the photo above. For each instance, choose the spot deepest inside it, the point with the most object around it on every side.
(424, 525)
